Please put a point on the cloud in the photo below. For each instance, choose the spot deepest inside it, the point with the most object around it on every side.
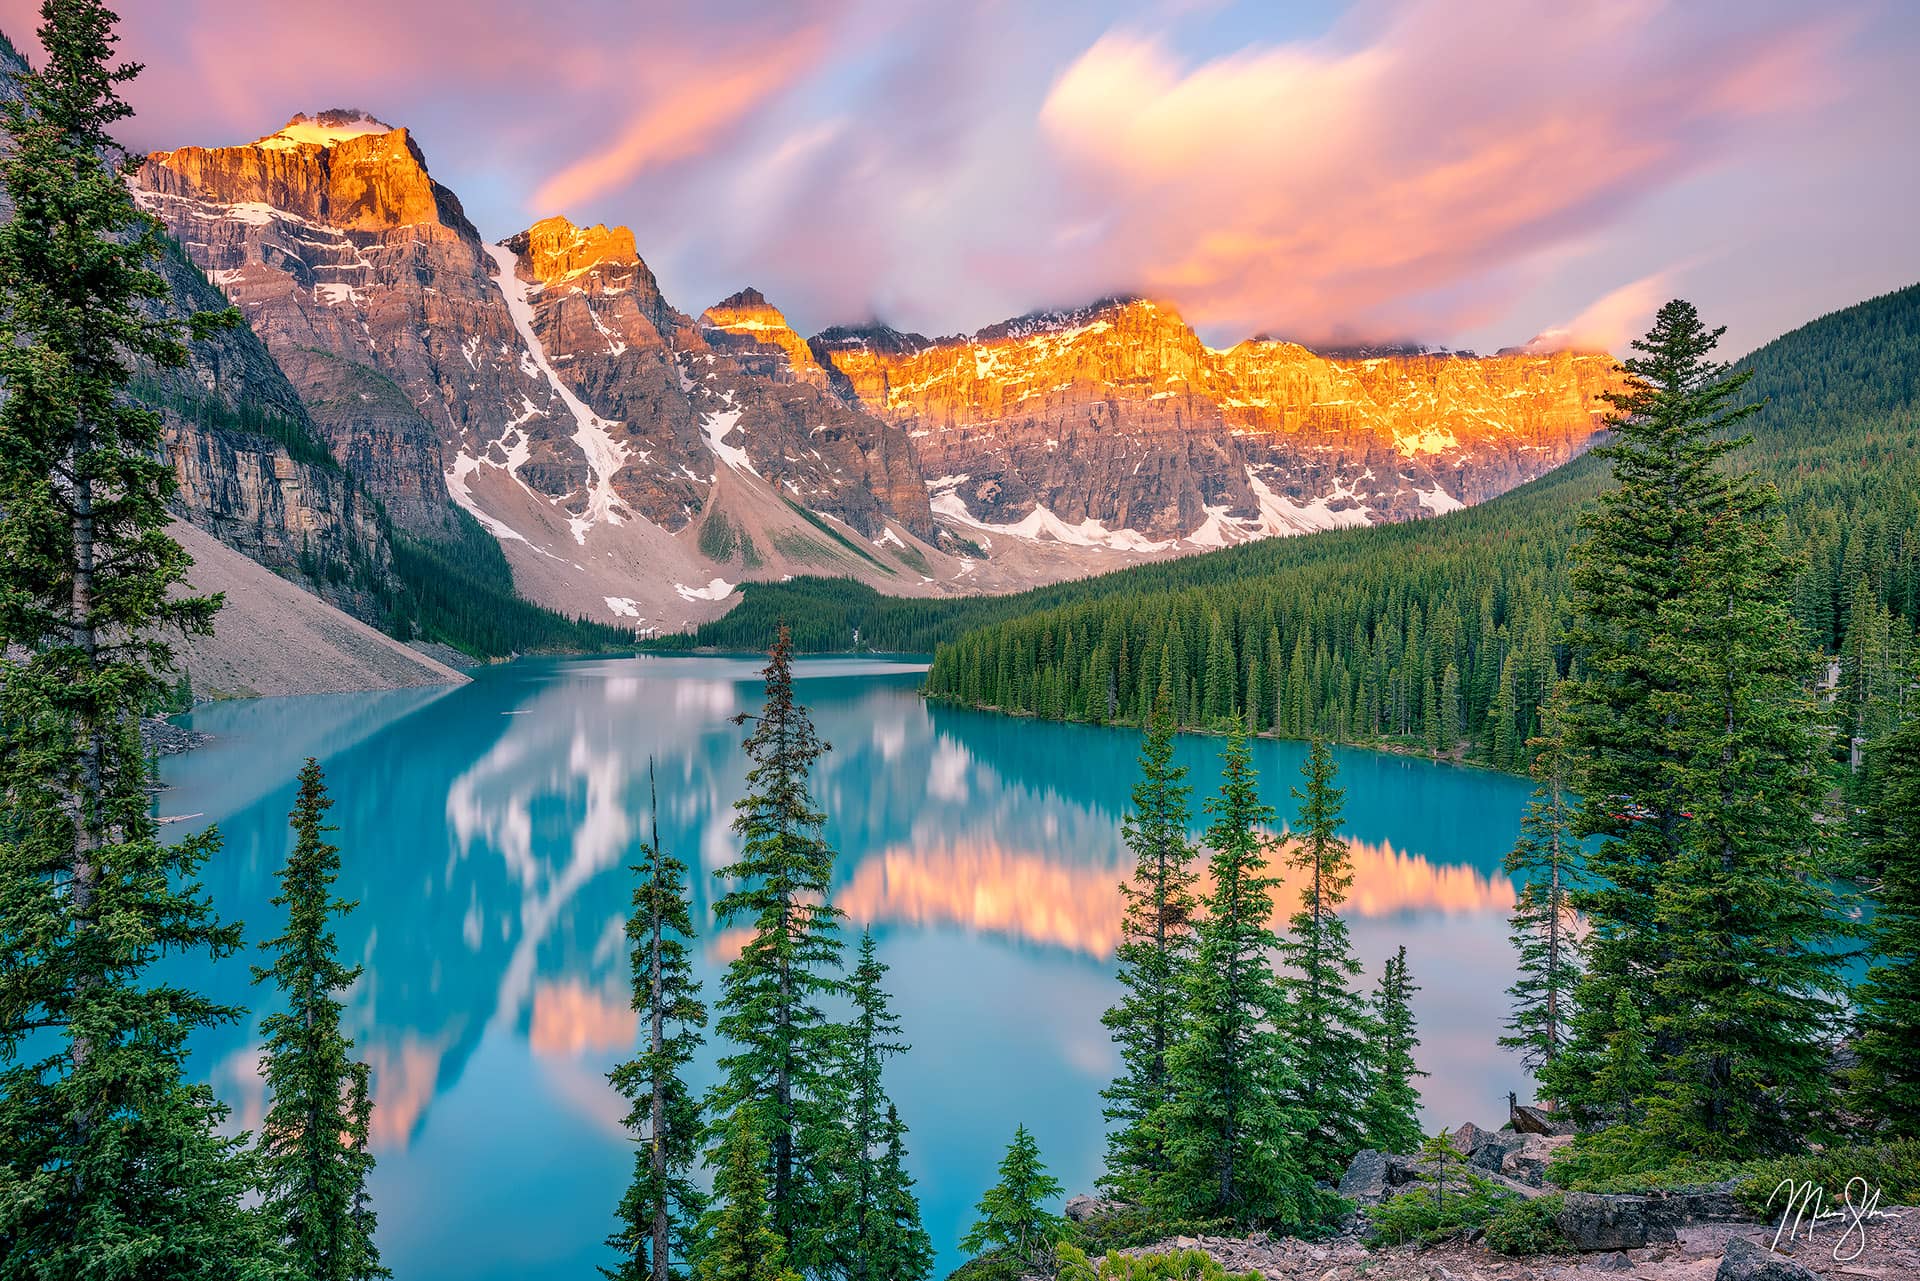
(1430, 169)
(683, 120)
(1352, 183)
(1609, 323)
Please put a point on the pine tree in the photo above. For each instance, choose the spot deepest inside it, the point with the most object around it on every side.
(1327, 1020)
(111, 1161)
(312, 1147)
(1693, 740)
(1393, 1105)
(1546, 860)
(1889, 1000)
(661, 1209)
(784, 1047)
(1014, 1219)
(1670, 428)
(1155, 949)
(735, 1240)
(1230, 1148)
(877, 1217)
(1747, 998)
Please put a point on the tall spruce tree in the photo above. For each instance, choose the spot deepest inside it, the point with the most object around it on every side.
(735, 1241)
(898, 1246)
(1329, 1026)
(111, 1161)
(660, 1212)
(1889, 999)
(1014, 1219)
(877, 1229)
(1546, 860)
(1671, 427)
(1693, 739)
(1393, 1101)
(1155, 949)
(312, 1147)
(1749, 997)
(1229, 1133)
(783, 1047)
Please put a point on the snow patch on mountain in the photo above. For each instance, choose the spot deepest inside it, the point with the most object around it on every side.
(323, 130)
(1041, 525)
(716, 426)
(605, 455)
(718, 589)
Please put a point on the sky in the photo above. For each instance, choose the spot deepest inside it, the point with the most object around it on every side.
(1466, 173)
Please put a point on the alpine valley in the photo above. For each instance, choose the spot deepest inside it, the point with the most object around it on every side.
(636, 463)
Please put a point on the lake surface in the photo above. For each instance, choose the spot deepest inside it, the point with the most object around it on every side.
(486, 832)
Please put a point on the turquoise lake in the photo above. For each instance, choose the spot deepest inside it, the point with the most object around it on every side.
(486, 832)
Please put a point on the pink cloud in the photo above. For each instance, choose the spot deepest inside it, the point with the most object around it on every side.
(1332, 185)
(682, 119)
(1431, 169)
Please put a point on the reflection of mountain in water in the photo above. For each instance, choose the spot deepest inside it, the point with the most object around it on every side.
(488, 850)
(973, 882)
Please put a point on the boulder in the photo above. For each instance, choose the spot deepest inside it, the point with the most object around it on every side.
(1747, 1260)
(1492, 1154)
(1528, 1119)
(1470, 1138)
(1529, 1156)
(1710, 1203)
(1367, 1178)
(1592, 1221)
(1084, 1208)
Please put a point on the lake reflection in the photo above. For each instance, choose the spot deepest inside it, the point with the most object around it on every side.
(486, 830)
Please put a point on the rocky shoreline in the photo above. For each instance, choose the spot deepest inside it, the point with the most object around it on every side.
(1705, 1252)
(1700, 1232)
(159, 736)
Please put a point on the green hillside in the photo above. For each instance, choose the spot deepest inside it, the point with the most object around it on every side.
(1436, 631)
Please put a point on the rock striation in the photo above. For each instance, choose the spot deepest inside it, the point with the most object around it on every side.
(1116, 424)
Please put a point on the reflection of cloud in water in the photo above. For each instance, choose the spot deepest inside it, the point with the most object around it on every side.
(237, 1080)
(491, 805)
(406, 1072)
(975, 882)
(711, 699)
(570, 1018)
(947, 776)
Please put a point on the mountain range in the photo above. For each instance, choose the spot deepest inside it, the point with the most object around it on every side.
(636, 463)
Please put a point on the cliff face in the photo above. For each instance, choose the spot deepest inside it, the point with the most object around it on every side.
(1116, 425)
(368, 286)
(252, 467)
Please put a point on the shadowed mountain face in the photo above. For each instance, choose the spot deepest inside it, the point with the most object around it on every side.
(636, 463)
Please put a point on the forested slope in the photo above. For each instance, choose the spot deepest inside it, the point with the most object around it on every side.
(1441, 630)
(1448, 631)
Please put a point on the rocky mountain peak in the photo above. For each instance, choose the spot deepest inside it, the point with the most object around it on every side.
(341, 169)
(872, 337)
(557, 250)
(753, 331)
(323, 129)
